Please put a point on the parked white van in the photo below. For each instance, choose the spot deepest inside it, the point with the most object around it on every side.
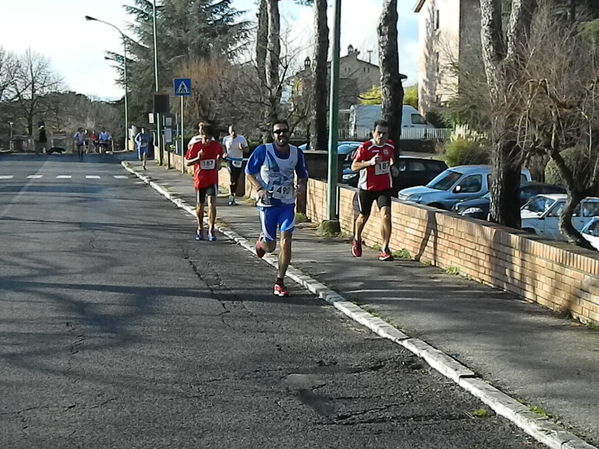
(413, 125)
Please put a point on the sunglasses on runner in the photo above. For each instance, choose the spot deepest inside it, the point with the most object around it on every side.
(280, 131)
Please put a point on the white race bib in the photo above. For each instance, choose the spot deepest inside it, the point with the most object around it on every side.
(382, 168)
(207, 164)
(284, 193)
(237, 164)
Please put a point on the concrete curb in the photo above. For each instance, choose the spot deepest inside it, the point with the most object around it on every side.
(538, 427)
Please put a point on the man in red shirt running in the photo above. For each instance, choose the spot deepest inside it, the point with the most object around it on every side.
(204, 154)
(374, 161)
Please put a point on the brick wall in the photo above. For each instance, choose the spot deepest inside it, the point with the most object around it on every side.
(558, 276)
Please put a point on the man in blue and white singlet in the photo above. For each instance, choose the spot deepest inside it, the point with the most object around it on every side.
(271, 169)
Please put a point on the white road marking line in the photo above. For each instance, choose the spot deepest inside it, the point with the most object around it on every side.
(64, 177)
(92, 177)
(35, 176)
(6, 177)
(121, 177)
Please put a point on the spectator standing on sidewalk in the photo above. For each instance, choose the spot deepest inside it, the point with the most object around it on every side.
(79, 141)
(235, 146)
(374, 160)
(142, 140)
(42, 139)
(271, 169)
(204, 153)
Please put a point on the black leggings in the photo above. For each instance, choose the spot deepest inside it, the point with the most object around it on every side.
(235, 173)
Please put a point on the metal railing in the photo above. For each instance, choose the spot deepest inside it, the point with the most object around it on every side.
(407, 133)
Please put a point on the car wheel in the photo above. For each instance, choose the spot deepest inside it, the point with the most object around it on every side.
(529, 230)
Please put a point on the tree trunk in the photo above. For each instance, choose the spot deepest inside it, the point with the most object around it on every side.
(262, 42)
(575, 196)
(321, 50)
(273, 54)
(391, 87)
(505, 183)
(503, 69)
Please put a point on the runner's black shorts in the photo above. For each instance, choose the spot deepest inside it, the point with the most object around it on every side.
(235, 172)
(206, 191)
(367, 197)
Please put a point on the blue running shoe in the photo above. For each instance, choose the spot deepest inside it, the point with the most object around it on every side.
(199, 235)
(211, 237)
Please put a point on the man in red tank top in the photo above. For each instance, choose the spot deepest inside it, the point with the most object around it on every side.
(204, 154)
(374, 161)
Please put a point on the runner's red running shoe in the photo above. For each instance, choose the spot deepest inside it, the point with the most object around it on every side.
(356, 248)
(385, 255)
(259, 250)
(280, 290)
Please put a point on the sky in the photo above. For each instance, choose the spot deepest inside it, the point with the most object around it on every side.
(76, 48)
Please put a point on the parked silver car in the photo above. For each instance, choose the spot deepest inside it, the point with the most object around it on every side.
(590, 231)
(540, 215)
(454, 184)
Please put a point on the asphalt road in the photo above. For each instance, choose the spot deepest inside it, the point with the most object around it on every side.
(118, 330)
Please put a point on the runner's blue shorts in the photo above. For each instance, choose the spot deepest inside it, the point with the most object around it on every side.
(282, 217)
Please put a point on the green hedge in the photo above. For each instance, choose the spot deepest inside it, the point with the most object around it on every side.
(460, 151)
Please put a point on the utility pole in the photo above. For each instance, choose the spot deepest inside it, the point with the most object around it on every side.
(332, 199)
(157, 84)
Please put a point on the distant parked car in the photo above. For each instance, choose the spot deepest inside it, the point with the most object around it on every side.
(454, 184)
(413, 171)
(344, 147)
(540, 215)
(590, 231)
(479, 207)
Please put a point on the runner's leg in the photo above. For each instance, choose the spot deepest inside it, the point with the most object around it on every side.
(211, 213)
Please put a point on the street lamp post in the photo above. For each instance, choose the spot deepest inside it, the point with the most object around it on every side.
(333, 119)
(124, 74)
(157, 84)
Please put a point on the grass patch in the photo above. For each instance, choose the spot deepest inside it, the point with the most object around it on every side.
(452, 270)
(538, 410)
(593, 326)
(329, 228)
(480, 413)
(300, 217)
(249, 201)
(402, 254)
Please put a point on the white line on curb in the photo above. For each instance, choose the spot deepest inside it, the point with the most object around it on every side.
(536, 426)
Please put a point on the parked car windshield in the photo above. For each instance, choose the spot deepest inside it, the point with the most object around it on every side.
(593, 228)
(445, 180)
(417, 119)
(538, 205)
(590, 208)
(347, 148)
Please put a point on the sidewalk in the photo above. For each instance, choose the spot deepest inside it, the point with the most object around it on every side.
(530, 354)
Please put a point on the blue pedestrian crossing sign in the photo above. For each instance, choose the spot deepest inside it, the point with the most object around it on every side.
(182, 87)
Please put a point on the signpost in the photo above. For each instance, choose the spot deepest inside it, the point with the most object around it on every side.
(182, 88)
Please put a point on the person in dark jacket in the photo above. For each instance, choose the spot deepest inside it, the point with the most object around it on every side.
(41, 144)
